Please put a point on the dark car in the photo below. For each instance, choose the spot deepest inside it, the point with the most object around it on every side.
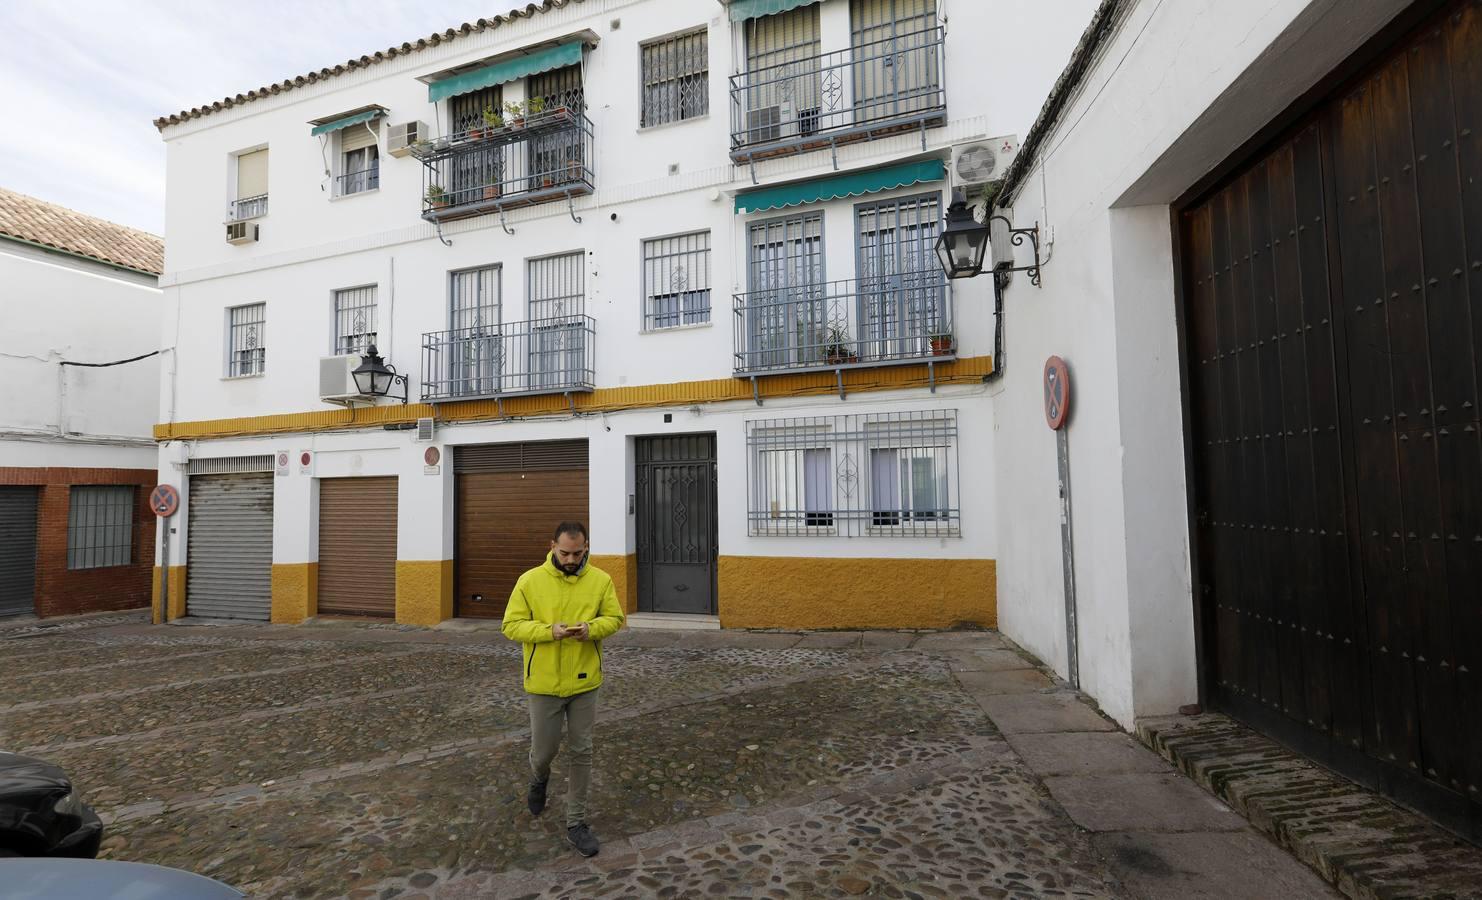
(40, 813)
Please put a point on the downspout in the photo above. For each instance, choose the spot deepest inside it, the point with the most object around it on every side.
(998, 365)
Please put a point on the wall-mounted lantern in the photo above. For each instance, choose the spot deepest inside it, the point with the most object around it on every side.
(374, 378)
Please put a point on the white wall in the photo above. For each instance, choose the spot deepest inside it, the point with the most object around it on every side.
(54, 308)
(1179, 88)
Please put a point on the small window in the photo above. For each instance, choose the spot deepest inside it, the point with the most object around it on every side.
(354, 320)
(100, 526)
(676, 281)
(361, 171)
(247, 340)
(676, 78)
(908, 484)
(251, 198)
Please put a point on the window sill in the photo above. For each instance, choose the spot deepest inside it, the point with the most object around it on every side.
(339, 197)
(669, 328)
(648, 129)
(244, 377)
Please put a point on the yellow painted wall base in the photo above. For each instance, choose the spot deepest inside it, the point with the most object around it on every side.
(624, 572)
(813, 592)
(424, 591)
(177, 594)
(295, 592)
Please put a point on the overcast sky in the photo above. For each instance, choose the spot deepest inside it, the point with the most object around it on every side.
(84, 79)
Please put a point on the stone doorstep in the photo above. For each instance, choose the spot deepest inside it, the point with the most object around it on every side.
(1353, 838)
(673, 622)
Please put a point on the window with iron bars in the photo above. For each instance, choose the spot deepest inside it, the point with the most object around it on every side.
(100, 526)
(247, 350)
(891, 474)
(556, 296)
(676, 78)
(676, 281)
(354, 320)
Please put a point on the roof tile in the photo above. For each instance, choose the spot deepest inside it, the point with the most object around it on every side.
(28, 219)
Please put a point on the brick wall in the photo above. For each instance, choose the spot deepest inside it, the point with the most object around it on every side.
(61, 591)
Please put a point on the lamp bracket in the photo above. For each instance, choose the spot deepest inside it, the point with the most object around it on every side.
(1017, 236)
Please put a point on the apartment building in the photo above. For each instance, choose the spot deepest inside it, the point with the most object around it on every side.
(667, 268)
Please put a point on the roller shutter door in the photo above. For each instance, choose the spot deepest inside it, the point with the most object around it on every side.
(229, 546)
(357, 546)
(17, 551)
(509, 499)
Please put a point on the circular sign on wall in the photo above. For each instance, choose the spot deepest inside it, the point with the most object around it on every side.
(1057, 392)
(431, 456)
(282, 459)
(164, 500)
(305, 458)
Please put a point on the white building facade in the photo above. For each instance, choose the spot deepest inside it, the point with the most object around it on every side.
(664, 268)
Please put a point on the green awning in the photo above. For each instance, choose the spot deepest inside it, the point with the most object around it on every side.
(506, 71)
(850, 184)
(741, 10)
(347, 121)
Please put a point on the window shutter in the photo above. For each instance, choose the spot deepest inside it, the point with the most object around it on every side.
(357, 136)
(252, 174)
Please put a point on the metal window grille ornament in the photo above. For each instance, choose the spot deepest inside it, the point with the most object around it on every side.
(676, 281)
(248, 350)
(100, 526)
(355, 320)
(890, 474)
(676, 79)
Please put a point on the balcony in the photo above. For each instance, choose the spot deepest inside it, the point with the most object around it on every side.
(868, 91)
(541, 356)
(545, 157)
(247, 208)
(878, 321)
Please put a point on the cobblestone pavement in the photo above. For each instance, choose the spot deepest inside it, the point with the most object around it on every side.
(344, 760)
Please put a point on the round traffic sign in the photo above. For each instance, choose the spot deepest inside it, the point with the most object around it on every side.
(1057, 392)
(164, 500)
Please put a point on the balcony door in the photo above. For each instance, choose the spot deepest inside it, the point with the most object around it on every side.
(783, 84)
(896, 68)
(477, 358)
(787, 316)
(902, 297)
(556, 153)
(557, 299)
(473, 176)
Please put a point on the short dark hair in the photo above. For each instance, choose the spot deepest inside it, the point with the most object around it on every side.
(571, 528)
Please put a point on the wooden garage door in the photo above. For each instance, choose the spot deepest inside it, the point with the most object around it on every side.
(1334, 292)
(357, 546)
(510, 499)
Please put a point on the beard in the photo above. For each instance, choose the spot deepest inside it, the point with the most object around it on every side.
(572, 568)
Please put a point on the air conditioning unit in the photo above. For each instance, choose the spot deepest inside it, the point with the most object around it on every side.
(426, 429)
(241, 232)
(769, 123)
(981, 162)
(337, 379)
(402, 137)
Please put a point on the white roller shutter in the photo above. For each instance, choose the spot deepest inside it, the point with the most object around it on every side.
(357, 136)
(229, 546)
(252, 174)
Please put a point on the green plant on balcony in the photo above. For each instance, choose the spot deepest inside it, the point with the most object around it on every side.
(514, 112)
(436, 196)
(492, 118)
(836, 346)
(941, 343)
(535, 106)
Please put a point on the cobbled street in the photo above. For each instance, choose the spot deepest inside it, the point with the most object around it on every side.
(377, 761)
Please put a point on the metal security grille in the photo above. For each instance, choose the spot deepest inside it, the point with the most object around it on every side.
(558, 333)
(677, 524)
(556, 88)
(467, 110)
(17, 550)
(676, 78)
(248, 340)
(785, 322)
(783, 93)
(229, 538)
(875, 475)
(903, 300)
(898, 70)
(354, 320)
(475, 358)
(100, 526)
(555, 155)
(676, 281)
(473, 298)
(220, 465)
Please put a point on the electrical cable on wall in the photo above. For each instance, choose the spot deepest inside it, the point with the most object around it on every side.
(116, 362)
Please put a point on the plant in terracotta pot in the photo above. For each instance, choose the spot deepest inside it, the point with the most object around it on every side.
(491, 190)
(492, 118)
(534, 106)
(436, 196)
(836, 346)
(941, 343)
(514, 112)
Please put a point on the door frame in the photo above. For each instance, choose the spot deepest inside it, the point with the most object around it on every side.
(645, 599)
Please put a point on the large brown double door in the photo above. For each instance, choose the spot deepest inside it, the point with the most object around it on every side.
(1333, 300)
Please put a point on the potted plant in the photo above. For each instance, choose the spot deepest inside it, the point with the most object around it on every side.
(941, 344)
(436, 196)
(535, 106)
(836, 346)
(475, 131)
(515, 112)
(491, 190)
(492, 118)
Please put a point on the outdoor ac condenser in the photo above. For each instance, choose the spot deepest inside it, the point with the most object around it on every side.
(337, 379)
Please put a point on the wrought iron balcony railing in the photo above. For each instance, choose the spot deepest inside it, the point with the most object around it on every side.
(247, 208)
(540, 356)
(872, 89)
(356, 182)
(876, 321)
(547, 156)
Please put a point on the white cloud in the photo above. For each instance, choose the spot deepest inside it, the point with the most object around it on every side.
(88, 77)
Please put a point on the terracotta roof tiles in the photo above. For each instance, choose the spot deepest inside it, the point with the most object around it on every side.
(38, 222)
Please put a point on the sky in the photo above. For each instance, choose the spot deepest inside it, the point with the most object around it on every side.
(88, 77)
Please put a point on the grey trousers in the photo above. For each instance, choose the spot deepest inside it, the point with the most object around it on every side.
(579, 715)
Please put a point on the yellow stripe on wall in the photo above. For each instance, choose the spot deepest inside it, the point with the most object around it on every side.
(684, 393)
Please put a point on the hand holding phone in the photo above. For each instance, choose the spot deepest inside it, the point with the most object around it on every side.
(579, 631)
(560, 631)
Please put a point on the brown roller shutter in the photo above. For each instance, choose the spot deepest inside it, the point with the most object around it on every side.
(357, 546)
(510, 497)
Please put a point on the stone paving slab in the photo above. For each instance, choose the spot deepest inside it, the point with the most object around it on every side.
(988, 660)
(1085, 753)
(832, 639)
(1166, 802)
(1204, 866)
(1008, 681)
(887, 640)
(1031, 713)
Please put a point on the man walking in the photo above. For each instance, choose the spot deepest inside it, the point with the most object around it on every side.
(561, 611)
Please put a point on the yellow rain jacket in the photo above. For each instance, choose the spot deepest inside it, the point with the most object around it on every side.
(544, 596)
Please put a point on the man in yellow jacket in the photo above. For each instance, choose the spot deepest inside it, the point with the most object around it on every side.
(561, 611)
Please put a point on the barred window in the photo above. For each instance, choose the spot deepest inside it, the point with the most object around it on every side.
(354, 320)
(557, 297)
(875, 474)
(555, 286)
(247, 351)
(676, 281)
(100, 526)
(676, 78)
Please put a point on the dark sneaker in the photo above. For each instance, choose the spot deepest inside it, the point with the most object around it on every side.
(581, 837)
(536, 798)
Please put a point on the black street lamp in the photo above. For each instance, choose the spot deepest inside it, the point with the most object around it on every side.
(374, 378)
(963, 241)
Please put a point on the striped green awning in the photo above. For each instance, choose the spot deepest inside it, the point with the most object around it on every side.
(505, 72)
(850, 184)
(347, 121)
(741, 10)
